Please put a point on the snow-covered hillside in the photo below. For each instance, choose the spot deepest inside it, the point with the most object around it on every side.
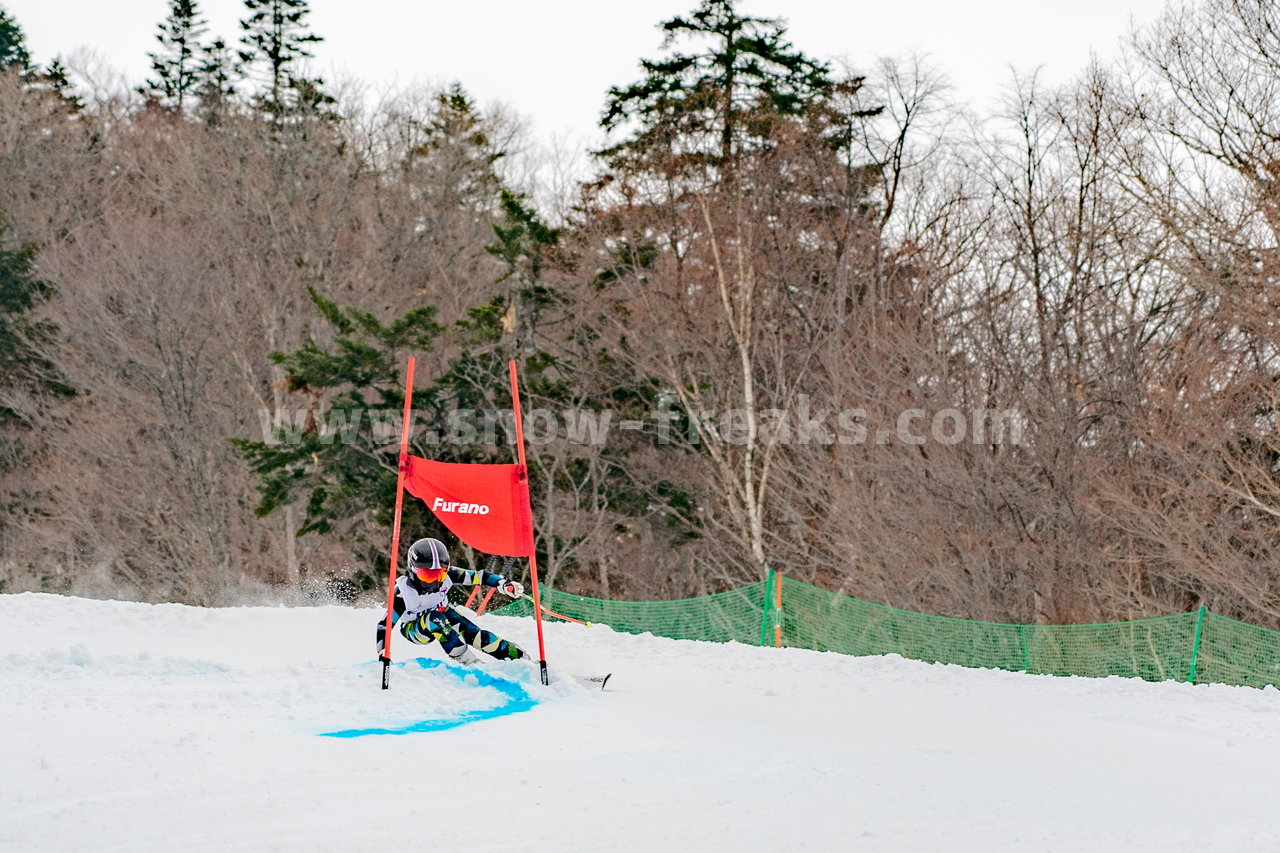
(139, 727)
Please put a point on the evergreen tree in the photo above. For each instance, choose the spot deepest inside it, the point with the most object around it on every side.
(13, 44)
(455, 157)
(703, 104)
(55, 80)
(176, 66)
(348, 477)
(525, 244)
(217, 69)
(24, 342)
(310, 98)
(334, 460)
(275, 36)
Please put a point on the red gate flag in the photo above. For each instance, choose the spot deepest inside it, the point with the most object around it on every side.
(486, 506)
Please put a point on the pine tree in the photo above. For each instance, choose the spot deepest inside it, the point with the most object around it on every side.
(703, 104)
(55, 80)
(526, 245)
(349, 478)
(310, 98)
(176, 66)
(453, 156)
(275, 36)
(217, 69)
(24, 342)
(13, 45)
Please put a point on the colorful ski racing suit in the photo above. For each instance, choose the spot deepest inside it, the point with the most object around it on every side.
(423, 613)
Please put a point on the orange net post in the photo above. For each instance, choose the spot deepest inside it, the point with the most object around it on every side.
(777, 612)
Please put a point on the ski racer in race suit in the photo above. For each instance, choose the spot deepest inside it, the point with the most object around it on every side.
(423, 612)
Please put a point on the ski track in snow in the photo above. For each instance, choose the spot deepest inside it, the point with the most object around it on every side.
(134, 727)
(517, 698)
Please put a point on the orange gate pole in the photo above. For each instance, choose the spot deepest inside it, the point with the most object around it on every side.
(533, 557)
(484, 602)
(401, 466)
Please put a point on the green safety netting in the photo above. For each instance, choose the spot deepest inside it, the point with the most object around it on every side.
(1232, 652)
(1197, 646)
(725, 616)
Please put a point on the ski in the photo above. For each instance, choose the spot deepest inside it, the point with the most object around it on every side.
(557, 676)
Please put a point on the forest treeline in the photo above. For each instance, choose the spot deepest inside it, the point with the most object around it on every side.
(768, 247)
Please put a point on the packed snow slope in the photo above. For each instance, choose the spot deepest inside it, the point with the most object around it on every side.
(170, 728)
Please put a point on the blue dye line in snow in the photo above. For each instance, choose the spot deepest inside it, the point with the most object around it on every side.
(518, 700)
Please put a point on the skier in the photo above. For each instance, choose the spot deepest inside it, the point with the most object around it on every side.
(423, 612)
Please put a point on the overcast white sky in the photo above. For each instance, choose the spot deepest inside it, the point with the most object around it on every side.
(554, 60)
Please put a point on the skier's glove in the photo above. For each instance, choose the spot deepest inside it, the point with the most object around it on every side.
(511, 588)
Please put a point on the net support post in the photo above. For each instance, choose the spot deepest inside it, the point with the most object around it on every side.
(765, 607)
(1195, 645)
(1026, 648)
(777, 611)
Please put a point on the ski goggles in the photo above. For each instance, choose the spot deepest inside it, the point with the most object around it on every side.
(430, 575)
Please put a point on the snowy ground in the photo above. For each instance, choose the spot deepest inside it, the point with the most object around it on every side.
(139, 727)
